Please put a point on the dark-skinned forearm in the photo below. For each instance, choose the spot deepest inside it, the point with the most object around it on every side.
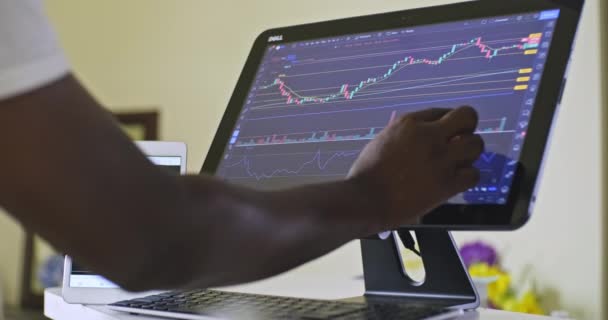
(71, 175)
(235, 235)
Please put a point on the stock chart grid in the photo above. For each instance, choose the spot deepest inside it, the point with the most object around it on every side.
(315, 104)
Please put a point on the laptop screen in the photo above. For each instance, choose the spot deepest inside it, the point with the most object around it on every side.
(315, 104)
(83, 278)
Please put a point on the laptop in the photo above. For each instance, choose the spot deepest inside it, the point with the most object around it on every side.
(311, 96)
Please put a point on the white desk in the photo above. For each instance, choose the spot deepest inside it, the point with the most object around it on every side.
(288, 285)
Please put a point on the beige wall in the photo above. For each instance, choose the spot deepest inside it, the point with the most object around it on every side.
(11, 247)
(185, 56)
(604, 27)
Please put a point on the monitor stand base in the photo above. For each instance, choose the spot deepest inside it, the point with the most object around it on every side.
(446, 282)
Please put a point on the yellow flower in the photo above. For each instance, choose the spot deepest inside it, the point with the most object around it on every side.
(500, 287)
(483, 270)
(500, 293)
(529, 304)
(510, 305)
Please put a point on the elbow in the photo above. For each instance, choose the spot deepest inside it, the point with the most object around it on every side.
(142, 275)
(161, 267)
(135, 276)
(141, 279)
(135, 285)
(158, 251)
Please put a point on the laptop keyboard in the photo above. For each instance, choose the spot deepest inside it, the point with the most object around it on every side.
(251, 306)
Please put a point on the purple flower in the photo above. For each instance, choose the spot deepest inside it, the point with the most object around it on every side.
(478, 252)
(50, 273)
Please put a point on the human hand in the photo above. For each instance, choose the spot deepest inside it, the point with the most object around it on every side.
(418, 162)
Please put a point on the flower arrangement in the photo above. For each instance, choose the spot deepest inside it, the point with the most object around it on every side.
(483, 264)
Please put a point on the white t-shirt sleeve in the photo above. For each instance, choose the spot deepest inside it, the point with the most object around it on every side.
(30, 56)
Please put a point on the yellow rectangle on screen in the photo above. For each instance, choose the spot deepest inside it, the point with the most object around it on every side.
(523, 79)
(521, 87)
(524, 71)
(529, 52)
(535, 35)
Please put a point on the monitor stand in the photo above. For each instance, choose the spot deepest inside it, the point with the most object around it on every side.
(446, 282)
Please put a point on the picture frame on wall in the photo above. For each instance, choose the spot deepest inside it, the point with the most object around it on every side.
(141, 125)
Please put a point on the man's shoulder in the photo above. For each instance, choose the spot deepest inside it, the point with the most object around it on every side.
(30, 56)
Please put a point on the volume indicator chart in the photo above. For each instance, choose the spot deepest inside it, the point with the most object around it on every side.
(314, 105)
(489, 126)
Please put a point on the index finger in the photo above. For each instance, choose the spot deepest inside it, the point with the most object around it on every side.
(460, 121)
(429, 115)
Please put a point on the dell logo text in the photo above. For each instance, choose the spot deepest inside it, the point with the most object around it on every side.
(275, 38)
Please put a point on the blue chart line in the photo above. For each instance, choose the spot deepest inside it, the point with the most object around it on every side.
(315, 162)
(383, 107)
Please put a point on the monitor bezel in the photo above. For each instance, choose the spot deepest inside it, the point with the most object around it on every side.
(516, 212)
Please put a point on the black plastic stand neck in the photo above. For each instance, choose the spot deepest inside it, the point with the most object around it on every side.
(446, 283)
